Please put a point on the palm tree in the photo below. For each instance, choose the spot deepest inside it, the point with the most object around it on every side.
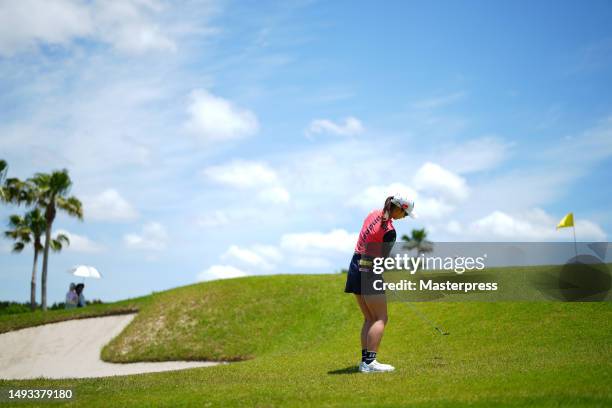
(418, 240)
(3, 170)
(17, 192)
(29, 229)
(49, 194)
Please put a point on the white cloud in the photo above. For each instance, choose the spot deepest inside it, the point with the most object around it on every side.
(454, 227)
(242, 174)
(436, 192)
(257, 256)
(274, 195)
(532, 225)
(351, 126)
(432, 177)
(310, 250)
(310, 262)
(78, 243)
(127, 27)
(130, 26)
(220, 272)
(316, 250)
(270, 252)
(549, 176)
(214, 119)
(153, 237)
(375, 196)
(250, 175)
(25, 23)
(337, 240)
(108, 205)
(326, 173)
(428, 208)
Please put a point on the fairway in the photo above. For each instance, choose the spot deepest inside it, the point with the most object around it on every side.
(292, 342)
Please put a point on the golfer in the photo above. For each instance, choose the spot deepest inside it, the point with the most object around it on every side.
(376, 237)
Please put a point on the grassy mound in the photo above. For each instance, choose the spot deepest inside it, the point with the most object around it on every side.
(299, 337)
(234, 319)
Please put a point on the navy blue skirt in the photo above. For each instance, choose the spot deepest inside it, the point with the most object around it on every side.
(361, 280)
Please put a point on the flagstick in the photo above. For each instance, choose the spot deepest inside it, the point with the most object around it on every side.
(575, 246)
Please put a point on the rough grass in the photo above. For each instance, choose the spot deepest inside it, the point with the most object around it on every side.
(298, 337)
(233, 320)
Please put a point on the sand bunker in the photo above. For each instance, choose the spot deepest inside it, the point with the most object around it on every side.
(71, 349)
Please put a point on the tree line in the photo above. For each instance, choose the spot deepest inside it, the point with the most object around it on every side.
(43, 195)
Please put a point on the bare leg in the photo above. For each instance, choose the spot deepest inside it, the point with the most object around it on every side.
(377, 305)
(365, 329)
(368, 319)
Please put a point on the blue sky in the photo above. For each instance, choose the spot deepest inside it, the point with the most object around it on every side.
(212, 139)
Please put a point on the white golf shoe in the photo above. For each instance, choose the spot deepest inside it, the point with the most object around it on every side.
(375, 367)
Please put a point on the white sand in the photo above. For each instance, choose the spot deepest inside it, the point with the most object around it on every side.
(71, 349)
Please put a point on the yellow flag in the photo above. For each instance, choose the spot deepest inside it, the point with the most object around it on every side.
(567, 221)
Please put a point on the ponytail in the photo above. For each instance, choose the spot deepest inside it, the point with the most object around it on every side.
(387, 208)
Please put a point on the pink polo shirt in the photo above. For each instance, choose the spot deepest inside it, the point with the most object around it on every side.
(373, 230)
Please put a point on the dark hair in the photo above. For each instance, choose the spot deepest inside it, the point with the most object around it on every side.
(388, 207)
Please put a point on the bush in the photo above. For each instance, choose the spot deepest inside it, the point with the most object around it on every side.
(56, 306)
(7, 308)
(62, 305)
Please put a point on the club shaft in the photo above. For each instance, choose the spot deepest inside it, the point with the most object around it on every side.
(426, 319)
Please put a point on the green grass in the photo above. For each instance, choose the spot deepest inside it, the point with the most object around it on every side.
(38, 317)
(297, 337)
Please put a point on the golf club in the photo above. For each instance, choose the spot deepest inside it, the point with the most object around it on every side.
(427, 320)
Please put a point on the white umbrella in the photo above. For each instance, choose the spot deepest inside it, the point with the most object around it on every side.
(84, 271)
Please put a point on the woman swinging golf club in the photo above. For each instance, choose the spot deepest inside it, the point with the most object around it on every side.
(376, 237)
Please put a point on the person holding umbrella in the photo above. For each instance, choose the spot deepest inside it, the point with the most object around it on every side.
(83, 271)
(81, 298)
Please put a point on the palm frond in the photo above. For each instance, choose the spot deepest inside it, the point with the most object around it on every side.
(417, 240)
(55, 245)
(71, 205)
(17, 191)
(60, 182)
(63, 238)
(3, 171)
(18, 247)
(36, 221)
(15, 220)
